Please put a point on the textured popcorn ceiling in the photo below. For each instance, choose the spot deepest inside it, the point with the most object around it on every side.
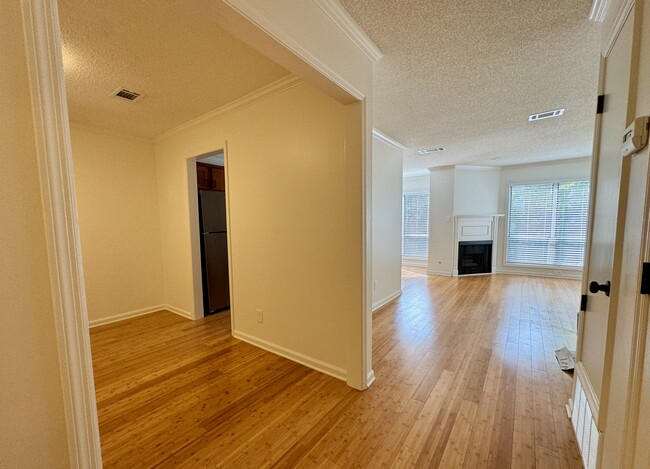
(169, 50)
(465, 75)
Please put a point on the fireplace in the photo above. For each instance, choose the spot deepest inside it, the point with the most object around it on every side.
(474, 257)
(475, 244)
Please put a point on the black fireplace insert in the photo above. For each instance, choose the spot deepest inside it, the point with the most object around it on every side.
(474, 257)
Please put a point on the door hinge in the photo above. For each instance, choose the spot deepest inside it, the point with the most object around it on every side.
(600, 107)
(645, 279)
(583, 303)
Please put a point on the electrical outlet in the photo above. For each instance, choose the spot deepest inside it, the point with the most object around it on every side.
(260, 316)
(374, 285)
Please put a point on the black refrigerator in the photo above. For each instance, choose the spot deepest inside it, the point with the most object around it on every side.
(214, 251)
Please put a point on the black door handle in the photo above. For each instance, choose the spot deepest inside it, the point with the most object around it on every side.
(595, 287)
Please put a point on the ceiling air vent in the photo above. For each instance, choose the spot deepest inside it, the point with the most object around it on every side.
(545, 115)
(128, 95)
(430, 150)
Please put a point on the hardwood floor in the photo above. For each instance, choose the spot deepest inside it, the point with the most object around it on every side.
(466, 377)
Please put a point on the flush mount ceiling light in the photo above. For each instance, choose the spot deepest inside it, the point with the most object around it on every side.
(127, 95)
(545, 115)
(430, 150)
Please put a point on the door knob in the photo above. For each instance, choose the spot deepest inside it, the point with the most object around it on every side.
(595, 287)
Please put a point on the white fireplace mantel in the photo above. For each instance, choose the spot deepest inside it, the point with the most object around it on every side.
(475, 228)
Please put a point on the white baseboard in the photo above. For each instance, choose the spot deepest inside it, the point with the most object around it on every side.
(413, 262)
(371, 378)
(437, 272)
(386, 300)
(127, 315)
(310, 362)
(180, 312)
(543, 273)
(136, 313)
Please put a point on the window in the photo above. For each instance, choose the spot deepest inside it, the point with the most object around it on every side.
(415, 225)
(547, 223)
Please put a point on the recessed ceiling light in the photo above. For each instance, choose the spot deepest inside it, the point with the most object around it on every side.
(430, 150)
(127, 95)
(545, 115)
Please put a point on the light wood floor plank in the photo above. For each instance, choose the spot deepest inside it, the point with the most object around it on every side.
(465, 377)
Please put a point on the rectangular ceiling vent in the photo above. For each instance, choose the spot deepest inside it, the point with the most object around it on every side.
(545, 115)
(430, 150)
(128, 95)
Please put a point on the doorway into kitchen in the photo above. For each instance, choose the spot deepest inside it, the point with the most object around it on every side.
(213, 232)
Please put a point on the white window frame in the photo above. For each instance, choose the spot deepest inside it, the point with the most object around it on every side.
(505, 262)
(415, 260)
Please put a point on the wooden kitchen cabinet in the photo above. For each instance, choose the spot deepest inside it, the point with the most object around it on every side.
(210, 177)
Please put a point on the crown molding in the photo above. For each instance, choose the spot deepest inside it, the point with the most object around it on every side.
(619, 21)
(350, 28)
(598, 10)
(274, 88)
(386, 139)
(247, 9)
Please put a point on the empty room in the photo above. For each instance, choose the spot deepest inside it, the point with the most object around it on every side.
(325, 233)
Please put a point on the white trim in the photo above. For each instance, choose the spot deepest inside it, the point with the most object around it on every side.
(478, 168)
(415, 261)
(442, 273)
(598, 10)
(386, 300)
(350, 28)
(180, 312)
(587, 388)
(386, 139)
(621, 17)
(52, 133)
(370, 378)
(257, 17)
(122, 316)
(265, 92)
(541, 273)
(297, 357)
(137, 313)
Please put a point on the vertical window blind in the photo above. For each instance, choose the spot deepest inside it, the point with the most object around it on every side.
(415, 225)
(547, 223)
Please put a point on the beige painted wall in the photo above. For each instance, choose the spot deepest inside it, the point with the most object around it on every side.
(117, 198)
(386, 221)
(32, 421)
(441, 223)
(295, 220)
(476, 190)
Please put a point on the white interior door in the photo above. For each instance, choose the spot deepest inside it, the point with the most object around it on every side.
(630, 315)
(594, 322)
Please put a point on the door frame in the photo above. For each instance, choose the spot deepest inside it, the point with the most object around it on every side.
(195, 234)
(56, 176)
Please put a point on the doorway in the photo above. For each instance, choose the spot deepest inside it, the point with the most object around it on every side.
(213, 229)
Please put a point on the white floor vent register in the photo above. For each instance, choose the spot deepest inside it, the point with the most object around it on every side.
(585, 428)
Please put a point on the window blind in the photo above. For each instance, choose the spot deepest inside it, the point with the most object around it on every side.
(415, 225)
(547, 223)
